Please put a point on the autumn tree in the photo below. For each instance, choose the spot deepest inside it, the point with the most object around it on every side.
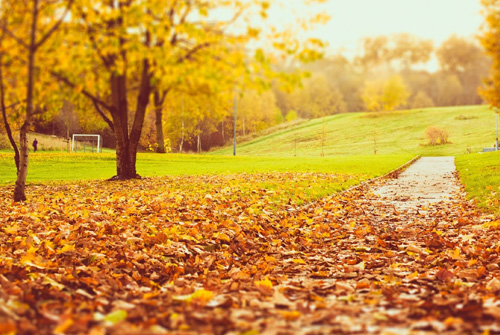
(120, 59)
(316, 97)
(400, 51)
(257, 111)
(448, 90)
(30, 24)
(385, 95)
(394, 93)
(463, 58)
(421, 100)
(490, 37)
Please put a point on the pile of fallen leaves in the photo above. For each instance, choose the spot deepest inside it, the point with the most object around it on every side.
(242, 254)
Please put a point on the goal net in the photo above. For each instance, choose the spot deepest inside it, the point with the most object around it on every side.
(86, 143)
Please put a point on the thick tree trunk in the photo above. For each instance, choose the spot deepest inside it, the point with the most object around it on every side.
(126, 145)
(125, 166)
(160, 141)
(140, 111)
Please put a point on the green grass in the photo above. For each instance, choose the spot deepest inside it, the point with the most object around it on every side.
(470, 129)
(480, 174)
(57, 166)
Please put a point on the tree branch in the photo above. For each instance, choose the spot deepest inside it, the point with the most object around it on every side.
(56, 25)
(86, 93)
(107, 62)
(13, 36)
(102, 114)
(190, 53)
(6, 121)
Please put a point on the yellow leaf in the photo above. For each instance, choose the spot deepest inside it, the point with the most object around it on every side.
(221, 236)
(270, 259)
(67, 247)
(12, 230)
(291, 315)
(30, 256)
(202, 297)
(298, 261)
(266, 283)
(61, 329)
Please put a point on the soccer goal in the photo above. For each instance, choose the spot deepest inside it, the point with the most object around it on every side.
(86, 143)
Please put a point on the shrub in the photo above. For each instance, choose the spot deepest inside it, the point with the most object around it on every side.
(436, 135)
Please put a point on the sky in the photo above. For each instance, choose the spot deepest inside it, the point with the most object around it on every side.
(354, 19)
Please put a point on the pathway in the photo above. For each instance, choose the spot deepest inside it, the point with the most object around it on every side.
(410, 256)
(429, 180)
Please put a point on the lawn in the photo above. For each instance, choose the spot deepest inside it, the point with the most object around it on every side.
(57, 166)
(480, 174)
(319, 176)
(470, 129)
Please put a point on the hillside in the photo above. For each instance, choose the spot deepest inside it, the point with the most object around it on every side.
(470, 129)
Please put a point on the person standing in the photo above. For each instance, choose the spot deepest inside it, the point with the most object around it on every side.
(35, 144)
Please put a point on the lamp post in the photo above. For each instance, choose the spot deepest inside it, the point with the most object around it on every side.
(496, 127)
(235, 113)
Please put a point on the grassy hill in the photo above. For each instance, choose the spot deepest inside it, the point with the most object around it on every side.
(470, 129)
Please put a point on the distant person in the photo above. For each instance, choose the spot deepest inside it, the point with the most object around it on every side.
(35, 144)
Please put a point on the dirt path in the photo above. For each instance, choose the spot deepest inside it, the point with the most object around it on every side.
(427, 181)
(411, 256)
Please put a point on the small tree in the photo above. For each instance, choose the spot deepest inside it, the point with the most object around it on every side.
(489, 39)
(394, 93)
(385, 95)
(30, 25)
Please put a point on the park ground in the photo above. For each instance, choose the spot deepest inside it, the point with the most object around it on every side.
(244, 245)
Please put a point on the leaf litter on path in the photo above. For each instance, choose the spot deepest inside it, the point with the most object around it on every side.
(214, 255)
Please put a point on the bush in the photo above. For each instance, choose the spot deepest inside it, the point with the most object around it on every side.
(436, 135)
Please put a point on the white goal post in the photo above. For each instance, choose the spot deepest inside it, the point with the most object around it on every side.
(86, 143)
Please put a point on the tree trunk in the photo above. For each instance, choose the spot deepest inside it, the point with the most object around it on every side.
(198, 143)
(20, 188)
(126, 145)
(125, 166)
(140, 113)
(160, 141)
(22, 173)
(182, 137)
(222, 131)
